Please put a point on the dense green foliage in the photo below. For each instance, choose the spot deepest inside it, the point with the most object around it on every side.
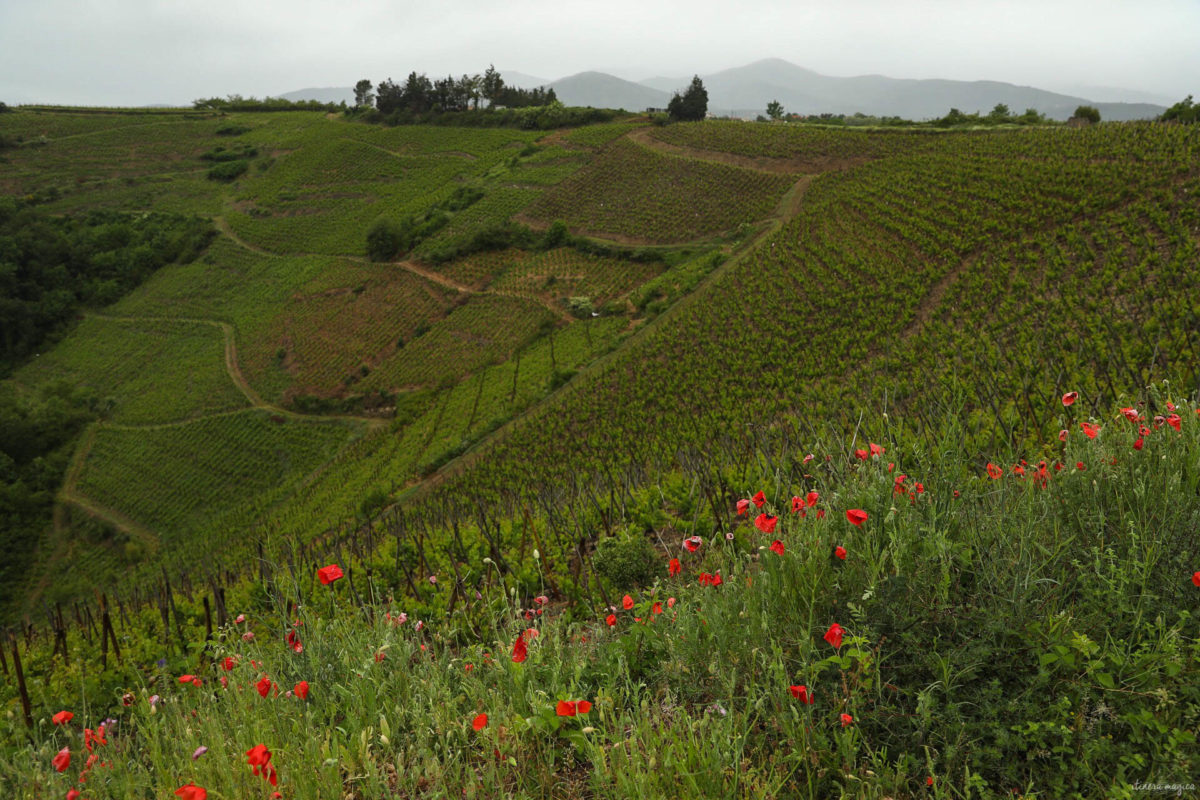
(1185, 112)
(691, 104)
(51, 267)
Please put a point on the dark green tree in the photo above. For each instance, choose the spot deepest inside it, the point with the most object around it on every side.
(692, 105)
(775, 110)
(1184, 111)
(492, 85)
(1089, 113)
(363, 94)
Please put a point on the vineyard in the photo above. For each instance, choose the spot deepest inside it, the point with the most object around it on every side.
(602, 341)
(632, 192)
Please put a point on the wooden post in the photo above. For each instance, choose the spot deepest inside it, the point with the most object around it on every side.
(24, 692)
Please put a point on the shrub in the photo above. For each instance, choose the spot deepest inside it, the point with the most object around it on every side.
(386, 239)
(626, 561)
(228, 170)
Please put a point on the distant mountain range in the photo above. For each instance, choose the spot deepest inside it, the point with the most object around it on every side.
(745, 91)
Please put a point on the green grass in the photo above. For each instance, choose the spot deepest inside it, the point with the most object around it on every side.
(982, 620)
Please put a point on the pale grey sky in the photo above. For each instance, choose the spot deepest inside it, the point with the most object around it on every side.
(136, 52)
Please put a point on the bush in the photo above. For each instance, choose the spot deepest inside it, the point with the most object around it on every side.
(1089, 113)
(626, 561)
(387, 239)
(228, 170)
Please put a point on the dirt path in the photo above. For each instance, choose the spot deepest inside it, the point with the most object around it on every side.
(223, 226)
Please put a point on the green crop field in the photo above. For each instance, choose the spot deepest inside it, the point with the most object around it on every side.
(142, 371)
(634, 192)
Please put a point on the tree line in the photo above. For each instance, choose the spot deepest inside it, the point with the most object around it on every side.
(417, 94)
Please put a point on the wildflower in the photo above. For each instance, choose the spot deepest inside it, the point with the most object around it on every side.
(994, 472)
(240, 619)
(656, 609)
(187, 678)
(674, 567)
(153, 700)
(259, 758)
(759, 499)
(834, 635)
(846, 720)
(329, 574)
(929, 781)
(541, 599)
(1069, 398)
(611, 620)
(62, 760)
(797, 504)
(742, 506)
(693, 544)
(861, 455)
(809, 458)
(729, 536)
(520, 650)
(1089, 429)
(802, 694)
(856, 516)
(1137, 445)
(190, 791)
(293, 641)
(264, 686)
(433, 579)
(62, 718)
(671, 601)
(1062, 435)
(777, 547)
(766, 524)
(227, 663)
(1196, 578)
(73, 794)
(840, 552)
(248, 636)
(626, 602)
(1174, 420)
(569, 708)
(199, 751)
(876, 450)
(1130, 414)
(301, 690)
(480, 722)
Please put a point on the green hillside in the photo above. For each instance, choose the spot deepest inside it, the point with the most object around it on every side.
(589, 345)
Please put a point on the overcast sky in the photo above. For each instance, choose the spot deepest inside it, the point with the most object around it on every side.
(136, 52)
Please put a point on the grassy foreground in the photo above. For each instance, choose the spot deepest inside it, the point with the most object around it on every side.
(905, 621)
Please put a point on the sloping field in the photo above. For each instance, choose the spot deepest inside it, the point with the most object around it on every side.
(632, 192)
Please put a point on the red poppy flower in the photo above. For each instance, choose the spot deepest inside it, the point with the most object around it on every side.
(1069, 398)
(759, 499)
(1196, 578)
(742, 506)
(480, 722)
(186, 678)
(301, 690)
(626, 602)
(812, 498)
(1174, 420)
(834, 635)
(1089, 429)
(227, 663)
(994, 472)
(264, 686)
(802, 694)
(929, 780)
(611, 619)
(62, 718)
(293, 640)
(380, 655)
(1130, 414)
(856, 516)
(520, 650)
(840, 552)
(73, 794)
(656, 609)
(693, 544)
(876, 450)
(861, 455)
(797, 504)
(670, 602)
(846, 720)
(766, 524)
(674, 567)
(62, 760)
(569, 708)
(777, 547)
(1137, 445)
(191, 791)
(716, 580)
(329, 574)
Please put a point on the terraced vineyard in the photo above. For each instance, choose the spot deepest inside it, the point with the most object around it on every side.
(635, 193)
(969, 274)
